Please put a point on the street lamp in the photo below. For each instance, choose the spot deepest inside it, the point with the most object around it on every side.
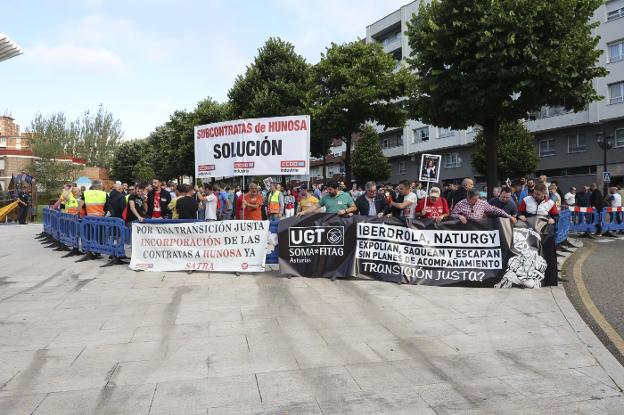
(605, 142)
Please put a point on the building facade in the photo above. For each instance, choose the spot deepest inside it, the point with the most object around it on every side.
(565, 141)
(16, 154)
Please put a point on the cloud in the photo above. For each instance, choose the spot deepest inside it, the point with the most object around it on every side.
(122, 34)
(326, 21)
(70, 55)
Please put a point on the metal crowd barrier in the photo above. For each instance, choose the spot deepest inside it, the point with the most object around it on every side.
(612, 219)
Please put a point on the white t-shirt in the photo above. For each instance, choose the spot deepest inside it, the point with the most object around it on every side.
(211, 207)
(570, 199)
(616, 200)
(421, 194)
(408, 212)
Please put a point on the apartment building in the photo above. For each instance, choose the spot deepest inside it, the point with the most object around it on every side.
(566, 141)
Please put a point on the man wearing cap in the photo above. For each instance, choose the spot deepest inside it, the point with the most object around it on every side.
(436, 207)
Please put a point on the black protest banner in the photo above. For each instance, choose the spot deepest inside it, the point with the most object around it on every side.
(431, 253)
(318, 245)
(487, 252)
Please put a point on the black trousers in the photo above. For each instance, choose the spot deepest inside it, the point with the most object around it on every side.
(23, 212)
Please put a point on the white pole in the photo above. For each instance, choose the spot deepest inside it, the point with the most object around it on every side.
(427, 195)
(243, 193)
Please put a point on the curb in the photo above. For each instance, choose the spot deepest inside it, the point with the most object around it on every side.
(594, 346)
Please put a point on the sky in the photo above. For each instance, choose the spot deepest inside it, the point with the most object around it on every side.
(144, 59)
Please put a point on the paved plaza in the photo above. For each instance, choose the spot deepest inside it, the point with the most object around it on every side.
(80, 339)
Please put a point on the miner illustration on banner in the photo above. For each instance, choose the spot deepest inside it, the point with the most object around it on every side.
(527, 268)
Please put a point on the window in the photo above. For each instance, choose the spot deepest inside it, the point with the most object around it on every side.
(445, 132)
(547, 112)
(619, 137)
(3, 142)
(453, 161)
(616, 93)
(616, 51)
(615, 14)
(420, 135)
(576, 143)
(385, 143)
(391, 38)
(2, 164)
(547, 148)
(402, 168)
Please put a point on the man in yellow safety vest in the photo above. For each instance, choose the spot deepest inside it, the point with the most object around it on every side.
(95, 199)
(72, 205)
(275, 202)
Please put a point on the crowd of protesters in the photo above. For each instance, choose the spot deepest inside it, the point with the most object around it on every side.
(517, 200)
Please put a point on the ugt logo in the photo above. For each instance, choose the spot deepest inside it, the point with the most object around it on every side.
(316, 236)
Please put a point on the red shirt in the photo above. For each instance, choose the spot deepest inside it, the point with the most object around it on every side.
(440, 207)
(156, 212)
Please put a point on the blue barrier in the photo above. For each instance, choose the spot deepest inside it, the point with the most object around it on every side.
(103, 235)
(584, 220)
(108, 236)
(563, 226)
(69, 230)
(612, 219)
(54, 223)
(272, 258)
(47, 221)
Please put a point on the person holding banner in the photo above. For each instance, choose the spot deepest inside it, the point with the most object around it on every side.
(335, 201)
(136, 204)
(370, 203)
(435, 207)
(306, 199)
(252, 203)
(538, 204)
(405, 205)
(186, 204)
(473, 207)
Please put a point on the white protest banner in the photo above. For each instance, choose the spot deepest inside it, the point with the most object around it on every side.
(235, 246)
(259, 146)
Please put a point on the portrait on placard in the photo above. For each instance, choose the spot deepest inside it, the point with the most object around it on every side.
(430, 168)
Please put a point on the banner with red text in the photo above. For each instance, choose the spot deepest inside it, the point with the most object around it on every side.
(259, 146)
(234, 246)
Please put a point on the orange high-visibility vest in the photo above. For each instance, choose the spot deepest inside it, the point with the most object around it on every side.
(94, 202)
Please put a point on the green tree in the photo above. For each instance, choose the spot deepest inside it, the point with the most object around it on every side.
(143, 172)
(515, 147)
(127, 156)
(369, 162)
(482, 62)
(51, 136)
(352, 84)
(273, 85)
(172, 146)
(97, 137)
